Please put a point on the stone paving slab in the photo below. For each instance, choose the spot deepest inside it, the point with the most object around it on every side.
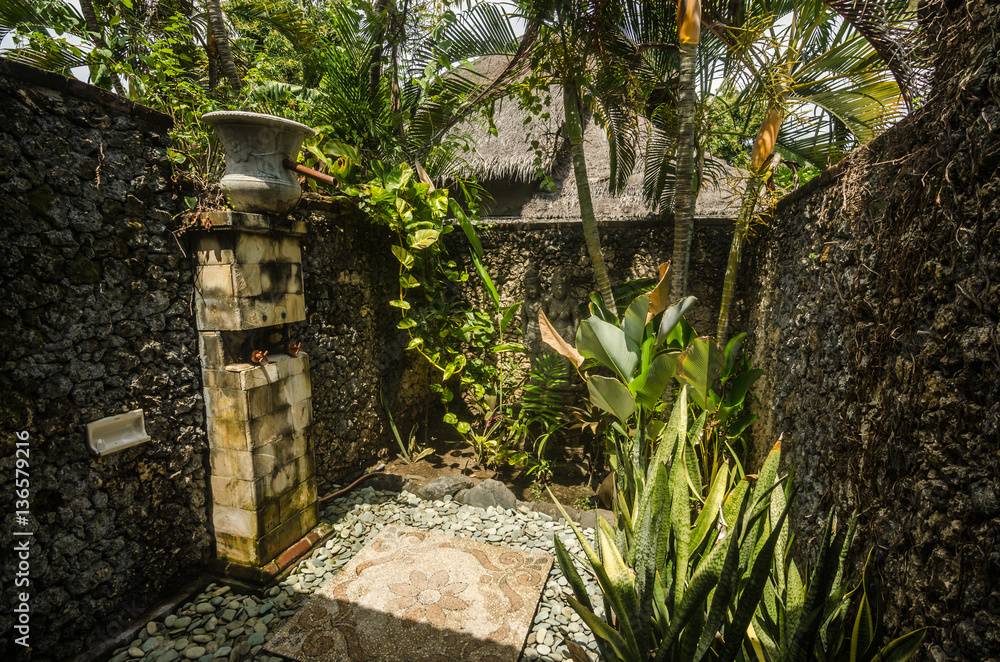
(420, 597)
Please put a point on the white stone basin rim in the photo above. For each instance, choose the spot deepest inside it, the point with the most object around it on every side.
(219, 116)
(256, 147)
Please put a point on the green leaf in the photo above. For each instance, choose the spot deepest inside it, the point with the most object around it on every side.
(671, 316)
(699, 366)
(611, 396)
(740, 385)
(650, 385)
(606, 344)
(903, 648)
(406, 323)
(635, 320)
(467, 227)
(424, 238)
(487, 281)
(400, 303)
(404, 256)
(708, 514)
(508, 316)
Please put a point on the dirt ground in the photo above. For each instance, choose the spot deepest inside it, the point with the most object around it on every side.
(570, 482)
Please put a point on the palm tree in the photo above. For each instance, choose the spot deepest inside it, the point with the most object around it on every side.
(583, 48)
(688, 36)
(816, 59)
(220, 35)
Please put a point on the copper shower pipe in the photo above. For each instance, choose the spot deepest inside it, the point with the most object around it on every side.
(309, 172)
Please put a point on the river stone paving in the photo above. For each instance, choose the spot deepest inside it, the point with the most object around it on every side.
(223, 624)
(445, 597)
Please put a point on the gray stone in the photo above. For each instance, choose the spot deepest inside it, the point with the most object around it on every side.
(588, 519)
(194, 652)
(491, 493)
(437, 488)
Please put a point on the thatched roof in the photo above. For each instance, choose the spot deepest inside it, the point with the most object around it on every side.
(510, 156)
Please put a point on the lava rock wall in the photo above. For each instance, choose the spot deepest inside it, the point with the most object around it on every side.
(874, 310)
(96, 320)
(355, 350)
(631, 250)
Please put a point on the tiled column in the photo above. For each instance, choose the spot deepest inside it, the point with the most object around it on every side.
(248, 287)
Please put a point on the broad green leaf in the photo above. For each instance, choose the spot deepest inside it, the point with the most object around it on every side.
(635, 320)
(403, 255)
(400, 303)
(406, 323)
(606, 343)
(612, 396)
(699, 367)
(650, 385)
(424, 238)
(671, 317)
(740, 385)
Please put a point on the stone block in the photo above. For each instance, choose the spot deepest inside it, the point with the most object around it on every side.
(235, 493)
(301, 414)
(227, 403)
(297, 498)
(287, 476)
(227, 434)
(283, 277)
(270, 427)
(235, 521)
(236, 314)
(278, 395)
(270, 515)
(214, 248)
(229, 463)
(211, 350)
(246, 280)
(288, 533)
(214, 281)
(236, 548)
(270, 457)
(221, 377)
(260, 249)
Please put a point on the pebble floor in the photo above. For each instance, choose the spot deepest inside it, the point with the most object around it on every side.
(221, 624)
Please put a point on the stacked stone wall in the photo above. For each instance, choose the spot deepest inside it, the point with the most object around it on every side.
(96, 320)
(874, 310)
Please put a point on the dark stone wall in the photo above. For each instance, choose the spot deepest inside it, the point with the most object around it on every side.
(631, 250)
(95, 317)
(355, 350)
(874, 310)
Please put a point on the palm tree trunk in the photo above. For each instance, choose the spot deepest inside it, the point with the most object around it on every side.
(217, 22)
(574, 130)
(763, 146)
(375, 54)
(684, 198)
(94, 27)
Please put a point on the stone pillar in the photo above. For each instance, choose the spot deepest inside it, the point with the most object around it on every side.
(248, 289)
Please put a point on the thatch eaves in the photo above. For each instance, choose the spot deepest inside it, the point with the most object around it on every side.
(509, 158)
(511, 154)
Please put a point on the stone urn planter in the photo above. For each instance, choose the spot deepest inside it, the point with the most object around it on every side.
(255, 146)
